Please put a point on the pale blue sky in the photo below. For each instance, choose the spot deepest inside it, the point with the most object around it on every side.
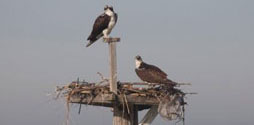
(206, 42)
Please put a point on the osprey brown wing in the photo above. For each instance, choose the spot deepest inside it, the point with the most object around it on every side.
(144, 75)
(100, 24)
(151, 74)
(156, 71)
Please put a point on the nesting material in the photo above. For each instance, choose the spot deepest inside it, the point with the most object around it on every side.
(170, 101)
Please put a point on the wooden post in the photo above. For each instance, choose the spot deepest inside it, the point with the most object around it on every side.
(123, 118)
(113, 72)
(134, 115)
(120, 117)
(112, 61)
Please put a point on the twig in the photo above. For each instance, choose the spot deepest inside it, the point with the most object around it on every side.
(79, 110)
(58, 91)
(179, 84)
(138, 83)
(92, 97)
(81, 99)
(123, 105)
(102, 78)
(191, 93)
(125, 99)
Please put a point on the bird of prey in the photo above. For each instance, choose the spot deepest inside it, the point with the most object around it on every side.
(103, 25)
(151, 74)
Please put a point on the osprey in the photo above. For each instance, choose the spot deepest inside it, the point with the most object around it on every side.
(103, 25)
(151, 74)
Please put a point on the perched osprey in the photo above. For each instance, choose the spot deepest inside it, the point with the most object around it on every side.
(151, 74)
(103, 25)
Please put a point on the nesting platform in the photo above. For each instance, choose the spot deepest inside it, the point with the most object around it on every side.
(129, 95)
(91, 94)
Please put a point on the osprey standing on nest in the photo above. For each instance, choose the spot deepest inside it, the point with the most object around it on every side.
(151, 73)
(103, 25)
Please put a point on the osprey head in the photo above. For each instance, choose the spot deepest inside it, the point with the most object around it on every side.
(109, 10)
(138, 58)
(138, 61)
(108, 7)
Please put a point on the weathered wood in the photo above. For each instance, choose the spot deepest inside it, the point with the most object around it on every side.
(112, 61)
(120, 117)
(149, 116)
(134, 115)
(105, 100)
(113, 68)
(110, 40)
(108, 100)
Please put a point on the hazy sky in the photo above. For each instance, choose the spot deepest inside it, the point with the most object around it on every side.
(206, 42)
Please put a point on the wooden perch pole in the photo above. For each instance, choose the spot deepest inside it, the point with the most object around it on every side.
(113, 72)
(120, 117)
(112, 62)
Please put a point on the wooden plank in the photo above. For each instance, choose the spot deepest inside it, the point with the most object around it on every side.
(108, 100)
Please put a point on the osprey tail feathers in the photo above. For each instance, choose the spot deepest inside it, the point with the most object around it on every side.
(90, 43)
(91, 40)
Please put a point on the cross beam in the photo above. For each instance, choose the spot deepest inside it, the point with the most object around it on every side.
(107, 100)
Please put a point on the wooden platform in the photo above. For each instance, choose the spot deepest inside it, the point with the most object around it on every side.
(108, 100)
